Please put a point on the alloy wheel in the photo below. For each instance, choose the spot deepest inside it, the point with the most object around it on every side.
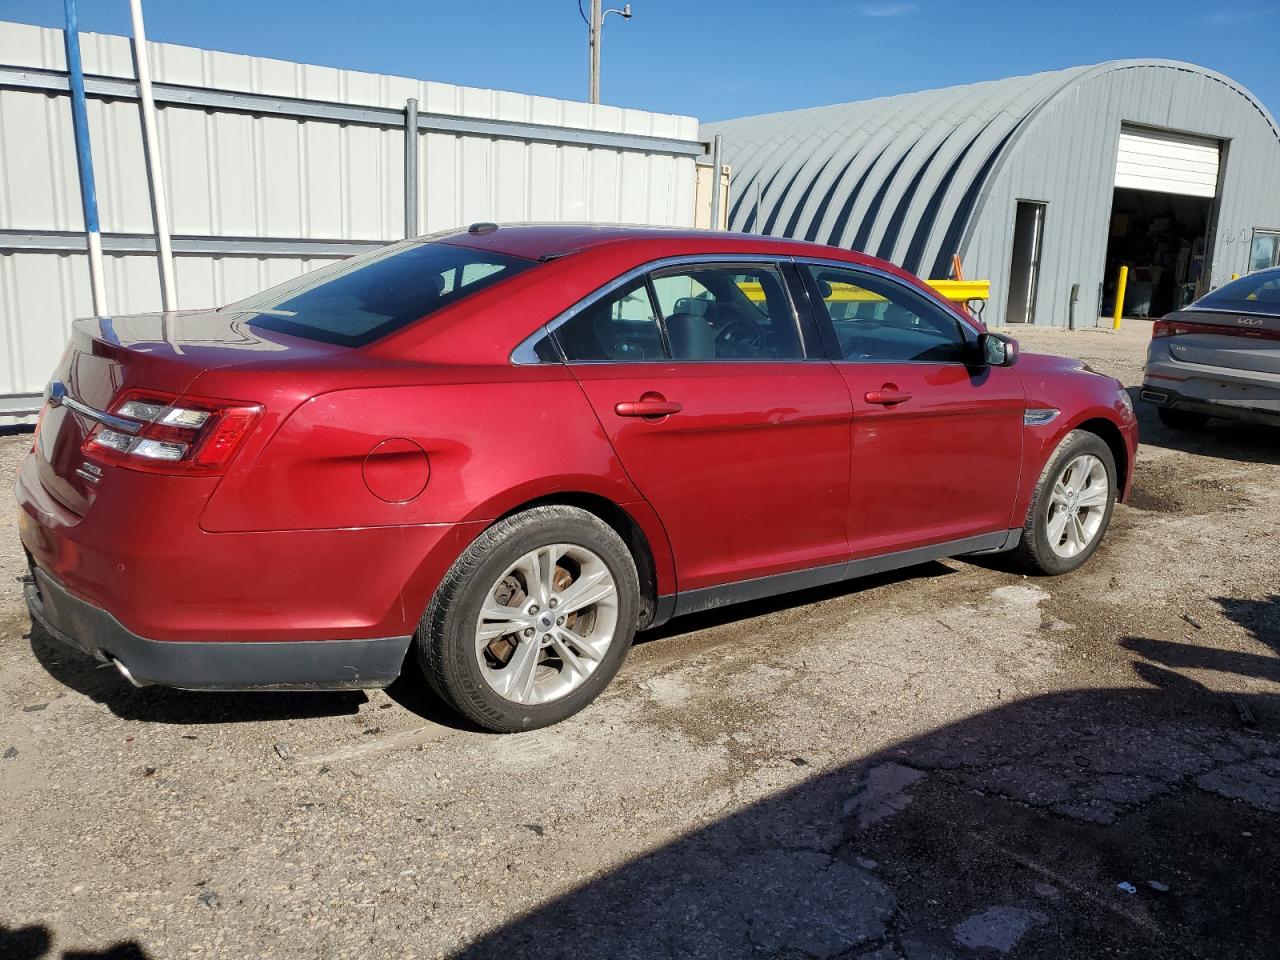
(1077, 505)
(546, 624)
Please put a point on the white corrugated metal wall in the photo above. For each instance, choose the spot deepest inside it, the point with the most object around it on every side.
(274, 168)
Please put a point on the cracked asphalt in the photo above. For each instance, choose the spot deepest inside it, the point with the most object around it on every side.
(953, 761)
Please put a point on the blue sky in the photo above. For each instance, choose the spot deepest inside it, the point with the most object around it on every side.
(712, 58)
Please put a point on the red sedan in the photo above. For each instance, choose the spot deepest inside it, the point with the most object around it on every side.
(508, 449)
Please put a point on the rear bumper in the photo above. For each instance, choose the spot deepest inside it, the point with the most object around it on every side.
(1160, 395)
(289, 665)
(140, 554)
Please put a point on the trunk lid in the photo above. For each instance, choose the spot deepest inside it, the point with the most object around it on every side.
(1217, 338)
(107, 356)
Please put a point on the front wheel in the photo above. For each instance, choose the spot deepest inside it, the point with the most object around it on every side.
(1071, 507)
(532, 621)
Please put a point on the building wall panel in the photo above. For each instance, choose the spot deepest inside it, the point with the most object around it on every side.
(919, 177)
(264, 177)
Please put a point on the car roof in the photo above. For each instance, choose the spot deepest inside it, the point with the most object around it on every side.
(539, 241)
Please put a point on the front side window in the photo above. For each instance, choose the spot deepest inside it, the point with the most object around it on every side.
(727, 313)
(367, 297)
(878, 320)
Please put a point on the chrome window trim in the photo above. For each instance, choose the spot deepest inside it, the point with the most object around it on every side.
(966, 323)
(524, 355)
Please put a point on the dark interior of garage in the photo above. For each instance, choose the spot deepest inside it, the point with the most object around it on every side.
(1161, 238)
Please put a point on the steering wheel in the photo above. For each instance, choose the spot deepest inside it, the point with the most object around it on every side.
(740, 333)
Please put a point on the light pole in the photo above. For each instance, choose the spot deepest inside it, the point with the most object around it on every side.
(595, 27)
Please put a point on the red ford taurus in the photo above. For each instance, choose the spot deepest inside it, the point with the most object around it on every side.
(509, 448)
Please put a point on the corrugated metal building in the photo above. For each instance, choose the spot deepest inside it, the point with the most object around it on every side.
(273, 168)
(1039, 183)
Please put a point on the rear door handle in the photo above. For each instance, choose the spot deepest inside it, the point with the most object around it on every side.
(887, 396)
(650, 405)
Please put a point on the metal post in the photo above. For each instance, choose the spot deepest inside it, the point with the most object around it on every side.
(593, 83)
(716, 148)
(1120, 288)
(1071, 306)
(155, 173)
(411, 167)
(84, 160)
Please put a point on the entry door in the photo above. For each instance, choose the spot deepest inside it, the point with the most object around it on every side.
(740, 444)
(1024, 265)
(937, 442)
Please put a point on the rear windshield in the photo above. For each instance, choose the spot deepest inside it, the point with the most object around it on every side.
(367, 297)
(1257, 293)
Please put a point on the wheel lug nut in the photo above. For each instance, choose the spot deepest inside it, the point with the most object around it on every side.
(528, 631)
(546, 638)
(554, 602)
(560, 622)
(533, 608)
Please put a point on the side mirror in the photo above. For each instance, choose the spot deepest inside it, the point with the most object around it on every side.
(997, 350)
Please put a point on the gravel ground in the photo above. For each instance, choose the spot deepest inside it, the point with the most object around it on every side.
(953, 761)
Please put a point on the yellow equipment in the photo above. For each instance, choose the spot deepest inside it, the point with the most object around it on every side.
(957, 291)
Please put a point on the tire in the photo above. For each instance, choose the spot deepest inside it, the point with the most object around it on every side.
(1182, 419)
(466, 675)
(1037, 552)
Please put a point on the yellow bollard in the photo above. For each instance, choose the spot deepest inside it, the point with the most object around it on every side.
(1120, 287)
(1235, 276)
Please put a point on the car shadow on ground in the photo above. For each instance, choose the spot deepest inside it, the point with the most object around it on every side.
(766, 606)
(34, 943)
(1222, 439)
(1138, 821)
(104, 685)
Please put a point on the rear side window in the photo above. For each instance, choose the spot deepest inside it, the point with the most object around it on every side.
(727, 313)
(367, 297)
(621, 326)
(1257, 293)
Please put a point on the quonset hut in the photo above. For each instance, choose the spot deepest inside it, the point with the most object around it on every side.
(1041, 184)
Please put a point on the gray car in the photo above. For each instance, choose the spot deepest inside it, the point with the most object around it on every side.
(1219, 357)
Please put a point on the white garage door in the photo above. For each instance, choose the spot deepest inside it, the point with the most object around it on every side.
(1168, 163)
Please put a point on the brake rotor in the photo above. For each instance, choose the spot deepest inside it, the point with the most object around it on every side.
(509, 593)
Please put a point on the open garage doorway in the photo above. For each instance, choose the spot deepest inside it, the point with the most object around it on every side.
(1162, 214)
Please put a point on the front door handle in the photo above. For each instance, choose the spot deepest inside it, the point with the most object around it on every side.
(887, 396)
(650, 406)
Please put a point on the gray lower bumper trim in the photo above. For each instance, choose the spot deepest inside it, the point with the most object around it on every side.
(1164, 397)
(285, 665)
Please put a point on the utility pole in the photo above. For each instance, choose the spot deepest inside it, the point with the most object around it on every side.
(595, 28)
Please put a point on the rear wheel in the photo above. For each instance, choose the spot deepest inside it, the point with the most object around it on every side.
(532, 621)
(1071, 508)
(1181, 419)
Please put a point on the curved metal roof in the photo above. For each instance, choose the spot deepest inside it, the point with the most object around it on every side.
(897, 176)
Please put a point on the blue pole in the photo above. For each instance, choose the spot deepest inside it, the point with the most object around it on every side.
(84, 158)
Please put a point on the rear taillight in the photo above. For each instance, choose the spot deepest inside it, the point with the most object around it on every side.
(1175, 328)
(187, 435)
